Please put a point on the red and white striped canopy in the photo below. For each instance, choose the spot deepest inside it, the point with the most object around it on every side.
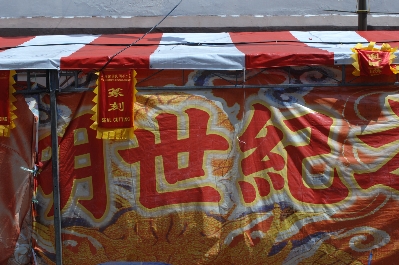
(217, 51)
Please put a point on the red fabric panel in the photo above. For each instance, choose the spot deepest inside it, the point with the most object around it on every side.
(15, 194)
(97, 53)
(381, 37)
(11, 42)
(373, 63)
(278, 49)
(4, 98)
(115, 99)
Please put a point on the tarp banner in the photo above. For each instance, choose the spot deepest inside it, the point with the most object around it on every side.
(298, 175)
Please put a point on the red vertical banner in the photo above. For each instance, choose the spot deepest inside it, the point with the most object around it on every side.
(115, 98)
(6, 102)
(371, 61)
(4, 98)
(374, 63)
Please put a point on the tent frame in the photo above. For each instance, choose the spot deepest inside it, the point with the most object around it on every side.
(240, 81)
(54, 87)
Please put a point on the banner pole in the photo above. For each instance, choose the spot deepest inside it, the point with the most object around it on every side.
(54, 87)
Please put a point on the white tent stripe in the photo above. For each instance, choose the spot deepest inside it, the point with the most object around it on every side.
(326, 40)
(198, 53)
(43, 52)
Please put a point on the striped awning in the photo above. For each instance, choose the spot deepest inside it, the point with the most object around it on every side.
(213, 51)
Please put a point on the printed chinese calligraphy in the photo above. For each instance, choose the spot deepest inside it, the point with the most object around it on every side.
(83, 182)
(262, 167)
(171, 167)
(331, 192)
(387, 170)
(164, 155)
(262, 157)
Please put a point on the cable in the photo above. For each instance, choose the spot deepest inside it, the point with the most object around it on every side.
(354, 12)
(142, 37)
(281, 42)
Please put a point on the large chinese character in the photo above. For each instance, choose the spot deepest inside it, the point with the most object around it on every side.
(298, 170)
(386, 171)
(195, 148)
(262, 156)
(82, 176)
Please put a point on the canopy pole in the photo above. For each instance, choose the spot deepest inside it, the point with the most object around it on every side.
(54, 87)
(362, 11)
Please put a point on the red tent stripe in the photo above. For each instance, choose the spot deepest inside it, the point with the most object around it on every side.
(391, 37)
(96, 54)
(271, 49)
(11, 42)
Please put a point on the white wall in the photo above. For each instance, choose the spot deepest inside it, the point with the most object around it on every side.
(119, 8)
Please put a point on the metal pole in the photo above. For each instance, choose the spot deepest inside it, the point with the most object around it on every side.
(343, 79)
(362, 11)
(54, 86)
